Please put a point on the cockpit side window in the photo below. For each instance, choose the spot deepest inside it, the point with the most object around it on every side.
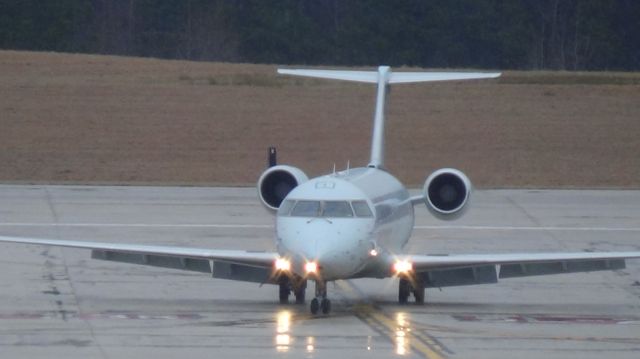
(285, 207)
(337, 209)
(306, 209)
(362, 209)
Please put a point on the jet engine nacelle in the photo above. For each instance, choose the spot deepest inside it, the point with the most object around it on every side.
(446, 193)
(276, 183)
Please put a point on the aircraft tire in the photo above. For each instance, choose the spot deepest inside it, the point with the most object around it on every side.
(403, 291)
(299, 292)
(418, 294)
(315, 305)
(325, 305)
(284, 293)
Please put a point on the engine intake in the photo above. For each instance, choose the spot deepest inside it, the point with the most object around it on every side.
(446, 193)
(276, 183)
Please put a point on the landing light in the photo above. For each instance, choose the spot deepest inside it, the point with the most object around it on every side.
(402, 266)
(311, 267)
(373, 253)
(283, 264)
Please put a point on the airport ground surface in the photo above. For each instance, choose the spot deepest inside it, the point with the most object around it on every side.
(57, 303)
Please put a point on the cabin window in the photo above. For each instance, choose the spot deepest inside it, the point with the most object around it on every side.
(306, 209)
(337, 209)
(285, 207)
(362, 209)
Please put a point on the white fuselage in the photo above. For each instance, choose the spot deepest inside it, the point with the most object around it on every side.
(337, 220)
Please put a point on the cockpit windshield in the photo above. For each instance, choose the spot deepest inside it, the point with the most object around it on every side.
(362, 209)
(306, 209)
(327, 209)
(336, 209)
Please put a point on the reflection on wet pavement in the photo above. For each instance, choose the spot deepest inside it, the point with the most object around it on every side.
(283, 338)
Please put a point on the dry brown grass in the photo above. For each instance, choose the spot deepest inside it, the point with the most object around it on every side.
(99, 119)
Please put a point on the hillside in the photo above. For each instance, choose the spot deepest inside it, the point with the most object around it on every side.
(100, 119)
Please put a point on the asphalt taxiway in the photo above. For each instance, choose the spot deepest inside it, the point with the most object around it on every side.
(60, 303)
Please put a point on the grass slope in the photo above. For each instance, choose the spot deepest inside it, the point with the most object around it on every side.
(101, 119)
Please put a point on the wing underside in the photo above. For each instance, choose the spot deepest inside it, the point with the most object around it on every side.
(432, 270)
(457, 270)
(225, 264)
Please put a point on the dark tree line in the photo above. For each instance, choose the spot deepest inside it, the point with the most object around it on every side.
(516, 34)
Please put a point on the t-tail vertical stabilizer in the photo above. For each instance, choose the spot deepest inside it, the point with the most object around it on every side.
(384, 77)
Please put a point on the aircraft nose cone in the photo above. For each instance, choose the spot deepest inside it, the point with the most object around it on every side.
(335, 260)
(336, 246)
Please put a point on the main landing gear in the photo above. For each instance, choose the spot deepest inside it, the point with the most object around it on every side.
(296, 285)
(299, 286)
(408, 287)
(320, 302)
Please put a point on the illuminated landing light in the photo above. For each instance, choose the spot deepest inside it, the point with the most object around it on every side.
(402, 267)
(311, 267)
(373, 253)
(283, 264)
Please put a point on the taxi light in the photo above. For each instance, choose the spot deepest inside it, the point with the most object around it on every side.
(311, 267)
(283, 264)
(402, 266)
(373, 253)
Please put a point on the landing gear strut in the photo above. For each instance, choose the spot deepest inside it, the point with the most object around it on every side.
(320, 302)
(408, 287)
(296, 285)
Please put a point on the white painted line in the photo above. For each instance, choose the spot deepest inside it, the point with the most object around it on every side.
(267, 226)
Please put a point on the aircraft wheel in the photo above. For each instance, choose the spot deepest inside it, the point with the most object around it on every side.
(300, 291)
(419, 295)
(315, 305)
(325, 305)
(284, 293)
(404, 291)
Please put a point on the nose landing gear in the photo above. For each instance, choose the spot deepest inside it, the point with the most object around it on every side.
(320, 302)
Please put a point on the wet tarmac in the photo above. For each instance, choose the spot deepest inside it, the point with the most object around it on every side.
(60, 303)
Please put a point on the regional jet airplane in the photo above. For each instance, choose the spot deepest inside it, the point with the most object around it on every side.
(353, 224)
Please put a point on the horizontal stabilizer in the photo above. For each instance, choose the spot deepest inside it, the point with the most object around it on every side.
(408, 77)
(356, 76)
(391, 77)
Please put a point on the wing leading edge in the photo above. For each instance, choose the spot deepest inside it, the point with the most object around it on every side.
(259, 259)
(426, 262)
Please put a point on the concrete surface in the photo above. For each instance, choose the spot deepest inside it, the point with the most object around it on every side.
(59, 303)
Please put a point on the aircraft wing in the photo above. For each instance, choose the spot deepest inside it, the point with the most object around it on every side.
(467, 269)
(227, 264)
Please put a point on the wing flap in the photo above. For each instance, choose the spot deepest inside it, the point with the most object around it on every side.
(459, 276)
(430, 262)
(535, 269)
(182, 263)
(242, 272)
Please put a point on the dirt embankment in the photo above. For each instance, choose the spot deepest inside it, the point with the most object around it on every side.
(100, 119)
